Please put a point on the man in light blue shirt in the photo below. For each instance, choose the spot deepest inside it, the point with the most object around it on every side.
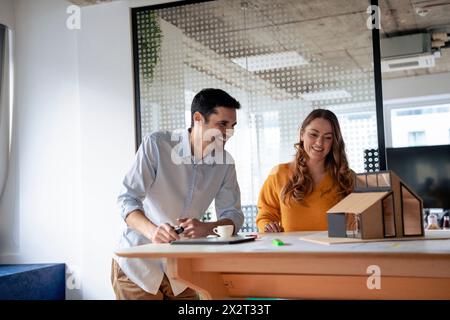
(173, 180)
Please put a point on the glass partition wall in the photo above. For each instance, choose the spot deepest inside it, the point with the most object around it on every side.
(280, 59)
(415, 62)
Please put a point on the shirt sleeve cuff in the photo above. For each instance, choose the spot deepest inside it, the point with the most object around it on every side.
(128, 209)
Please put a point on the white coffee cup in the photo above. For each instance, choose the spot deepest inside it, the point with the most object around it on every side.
(224, 231)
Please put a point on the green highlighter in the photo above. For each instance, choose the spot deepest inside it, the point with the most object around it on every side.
(277, 242)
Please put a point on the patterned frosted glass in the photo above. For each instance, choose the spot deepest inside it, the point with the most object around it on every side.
(280, 59)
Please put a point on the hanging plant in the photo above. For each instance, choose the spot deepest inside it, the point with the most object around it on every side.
(149, 39)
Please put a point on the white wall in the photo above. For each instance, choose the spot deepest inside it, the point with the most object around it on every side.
(75, 115)
(47, 113)
(107, 136)
(416, 87)
(107, 133)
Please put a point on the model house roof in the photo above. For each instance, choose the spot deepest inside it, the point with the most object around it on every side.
(357, 202)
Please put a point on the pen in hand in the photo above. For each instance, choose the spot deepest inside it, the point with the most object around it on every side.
(179, 229)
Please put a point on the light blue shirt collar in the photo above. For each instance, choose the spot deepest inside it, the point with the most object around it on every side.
(185, 151)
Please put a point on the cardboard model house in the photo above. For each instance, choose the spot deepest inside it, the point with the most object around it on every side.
(382, 206)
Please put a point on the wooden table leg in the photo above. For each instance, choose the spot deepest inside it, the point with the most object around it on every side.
(210, 285)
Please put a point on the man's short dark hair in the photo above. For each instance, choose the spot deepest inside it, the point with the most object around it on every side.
(207, 100)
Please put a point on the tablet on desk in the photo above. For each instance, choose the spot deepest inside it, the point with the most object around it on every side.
(217, 240)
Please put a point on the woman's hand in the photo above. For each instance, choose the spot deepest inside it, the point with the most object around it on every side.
(273, 226)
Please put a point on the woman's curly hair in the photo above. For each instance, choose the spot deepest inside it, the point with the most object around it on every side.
(301, 183)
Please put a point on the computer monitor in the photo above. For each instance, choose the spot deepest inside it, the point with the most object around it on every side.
(426, 170)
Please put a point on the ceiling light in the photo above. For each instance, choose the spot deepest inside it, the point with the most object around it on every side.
(271, 61)
(326, 95)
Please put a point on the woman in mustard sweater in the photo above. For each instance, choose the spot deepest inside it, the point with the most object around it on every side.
(297, 195)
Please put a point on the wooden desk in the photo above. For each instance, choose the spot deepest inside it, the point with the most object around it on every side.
(417, 269)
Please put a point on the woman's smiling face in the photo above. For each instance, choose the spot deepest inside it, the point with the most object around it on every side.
(317, 139)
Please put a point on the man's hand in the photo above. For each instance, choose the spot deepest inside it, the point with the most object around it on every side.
(157, 234)
(193, 228)
(164, 233)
